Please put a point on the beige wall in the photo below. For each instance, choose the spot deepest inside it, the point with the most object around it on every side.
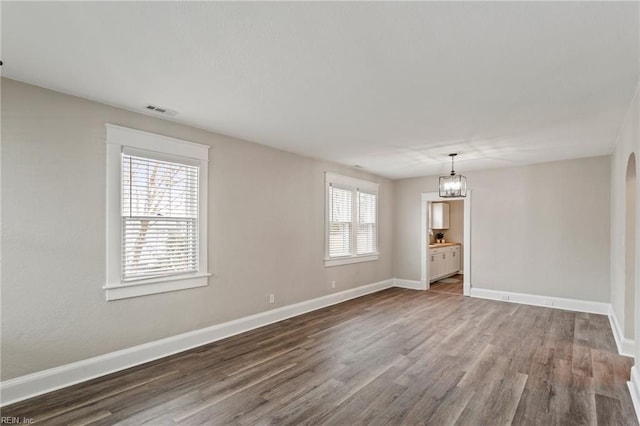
(541, 229)
(266, 234)
(628, 142)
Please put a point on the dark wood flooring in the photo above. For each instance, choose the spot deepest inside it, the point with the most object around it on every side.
(449, 287)
(395, 357)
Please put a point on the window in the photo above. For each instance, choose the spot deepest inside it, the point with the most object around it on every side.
(156, 213)
(352, 213)
(159, 217)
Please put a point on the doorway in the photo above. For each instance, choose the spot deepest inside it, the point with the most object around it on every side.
(426, 200)
(452, 284)
(630, 249)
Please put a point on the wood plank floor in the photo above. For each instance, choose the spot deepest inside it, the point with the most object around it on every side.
(395, 357)
(449, 287)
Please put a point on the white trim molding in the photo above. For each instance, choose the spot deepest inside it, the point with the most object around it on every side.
(122, 140)
(634, 389)
(160, 286)
(351, 259)
(410, 284)
(42, 382)
(544, 301)
(625, 346)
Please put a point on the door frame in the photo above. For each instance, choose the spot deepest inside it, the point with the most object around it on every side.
(425, 199)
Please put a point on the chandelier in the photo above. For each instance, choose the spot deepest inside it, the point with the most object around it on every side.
(454, 185)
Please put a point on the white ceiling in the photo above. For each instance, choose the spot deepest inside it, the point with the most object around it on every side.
(393, 87)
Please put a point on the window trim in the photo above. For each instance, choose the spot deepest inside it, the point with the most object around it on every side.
(354, 184)
(118, 138)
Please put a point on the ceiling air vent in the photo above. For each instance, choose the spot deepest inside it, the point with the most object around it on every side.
(161, 110)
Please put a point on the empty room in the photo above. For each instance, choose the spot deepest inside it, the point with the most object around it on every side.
(320, 213)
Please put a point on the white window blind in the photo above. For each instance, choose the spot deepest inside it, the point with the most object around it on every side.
(352, 220)
(159, 218)
(367, 209)
(340, 221)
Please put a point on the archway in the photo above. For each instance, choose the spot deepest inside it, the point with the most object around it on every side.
(630, 249)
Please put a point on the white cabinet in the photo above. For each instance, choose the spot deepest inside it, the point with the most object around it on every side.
(453, 260)
(439, 216)
(435, 265)
(444, 262)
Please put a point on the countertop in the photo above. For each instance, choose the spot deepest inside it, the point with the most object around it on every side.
(443, 245)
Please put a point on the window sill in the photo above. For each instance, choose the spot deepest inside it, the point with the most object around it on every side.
(351, 259)
(154, 286)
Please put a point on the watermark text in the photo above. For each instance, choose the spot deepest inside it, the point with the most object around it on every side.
(6, 420)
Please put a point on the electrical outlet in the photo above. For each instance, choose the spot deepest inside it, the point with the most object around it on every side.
(333, 284)
(272, 298)
(505, 297)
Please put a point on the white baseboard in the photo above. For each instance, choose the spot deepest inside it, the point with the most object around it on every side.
(410, 284)
(545, 301)
(625, 346)
(35, 384)
(634, 389)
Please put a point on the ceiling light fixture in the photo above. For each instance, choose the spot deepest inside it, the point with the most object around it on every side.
(454, 185)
